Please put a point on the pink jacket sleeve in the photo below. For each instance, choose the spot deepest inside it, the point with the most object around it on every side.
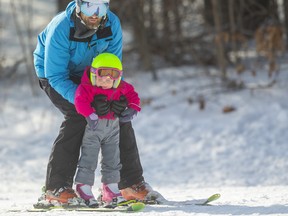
(131, 95)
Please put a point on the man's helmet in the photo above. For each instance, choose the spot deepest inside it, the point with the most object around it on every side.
(107, 60)
(91, 7)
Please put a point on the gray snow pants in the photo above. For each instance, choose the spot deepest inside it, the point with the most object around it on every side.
(106, 138)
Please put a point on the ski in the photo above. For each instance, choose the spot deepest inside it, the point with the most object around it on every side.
(133, 207)
(210, 199)
(202, 202)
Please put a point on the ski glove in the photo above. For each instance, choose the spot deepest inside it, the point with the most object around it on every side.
(101, 105)
(127, 115)
(92, 121)
(119, 106)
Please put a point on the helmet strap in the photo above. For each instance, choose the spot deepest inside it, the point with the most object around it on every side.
(103, 22)
(78, 15)
(80, 30)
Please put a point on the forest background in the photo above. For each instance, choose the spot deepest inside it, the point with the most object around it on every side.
(240, 36)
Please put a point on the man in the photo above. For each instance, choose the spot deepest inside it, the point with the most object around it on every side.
(65, 47)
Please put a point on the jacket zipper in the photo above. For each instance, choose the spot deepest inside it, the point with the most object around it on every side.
(90, 45)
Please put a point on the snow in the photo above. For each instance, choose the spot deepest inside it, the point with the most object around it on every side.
(187, 153)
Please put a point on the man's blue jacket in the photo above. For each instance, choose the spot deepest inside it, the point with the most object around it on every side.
(59, 56)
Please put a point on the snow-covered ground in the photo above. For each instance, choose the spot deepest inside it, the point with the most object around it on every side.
(187, 153)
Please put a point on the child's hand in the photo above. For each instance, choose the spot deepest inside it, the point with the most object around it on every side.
(92, 121)
(101, 105)
(127, 115)
(119, 106)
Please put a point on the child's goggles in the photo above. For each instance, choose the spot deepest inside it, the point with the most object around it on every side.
(89, 9)
(113, 73)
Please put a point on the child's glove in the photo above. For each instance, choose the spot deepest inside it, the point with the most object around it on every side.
(119, 106)
(101, 105)
(92, 121)
(127, 115)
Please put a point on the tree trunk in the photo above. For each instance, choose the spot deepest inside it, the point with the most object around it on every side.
(219, 44)
(140, 35)
(232, 29)
(62, 4)
(285, 5)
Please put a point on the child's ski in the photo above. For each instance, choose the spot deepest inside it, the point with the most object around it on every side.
(133, 207)
(210, 199)
(204, 202)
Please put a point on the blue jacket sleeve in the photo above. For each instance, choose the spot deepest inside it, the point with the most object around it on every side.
(57, 56)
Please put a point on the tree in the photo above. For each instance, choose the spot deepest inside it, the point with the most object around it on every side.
(219, 43)
(62, 4)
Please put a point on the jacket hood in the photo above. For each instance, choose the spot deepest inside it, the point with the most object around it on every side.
(70, 9)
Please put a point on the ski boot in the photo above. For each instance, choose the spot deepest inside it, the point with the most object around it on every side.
(85, 192)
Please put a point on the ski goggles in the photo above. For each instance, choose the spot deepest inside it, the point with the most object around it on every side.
(113, 73)
(89, 9)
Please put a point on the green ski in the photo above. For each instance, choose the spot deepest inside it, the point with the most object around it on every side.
(210, 199)
(133, 207)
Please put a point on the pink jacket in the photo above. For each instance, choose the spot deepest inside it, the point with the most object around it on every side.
(85, 95)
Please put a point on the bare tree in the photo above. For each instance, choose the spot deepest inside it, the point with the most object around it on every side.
(285, 4)
(62, 4)
(25, 40)
(219, 43)
(140, 35)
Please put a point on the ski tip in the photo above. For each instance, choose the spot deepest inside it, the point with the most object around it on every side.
(138, 206)
(214, 197)
(210, 199)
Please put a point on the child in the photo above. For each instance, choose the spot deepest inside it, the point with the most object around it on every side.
(102, 78)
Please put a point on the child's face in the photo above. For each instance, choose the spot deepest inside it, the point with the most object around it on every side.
(104, 82)
(104, 77)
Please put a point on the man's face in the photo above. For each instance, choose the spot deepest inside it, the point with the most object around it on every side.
(92, 22)
(91, 13)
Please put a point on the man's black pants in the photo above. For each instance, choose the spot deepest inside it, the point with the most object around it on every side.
(66, 148)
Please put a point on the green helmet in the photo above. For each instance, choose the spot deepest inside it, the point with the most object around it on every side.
(108, 60)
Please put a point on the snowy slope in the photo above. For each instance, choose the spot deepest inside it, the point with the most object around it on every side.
(187, 153)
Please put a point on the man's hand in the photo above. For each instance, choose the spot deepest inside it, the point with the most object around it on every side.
(127, 115)
(101, 105)
(119, 106)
